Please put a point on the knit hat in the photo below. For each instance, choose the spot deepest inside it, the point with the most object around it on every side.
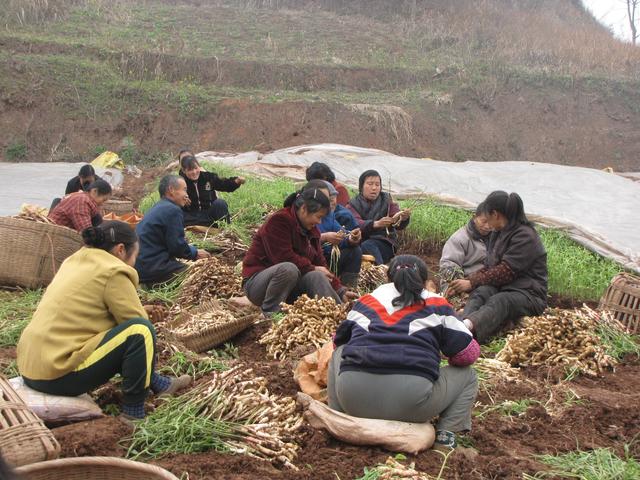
(365, 175)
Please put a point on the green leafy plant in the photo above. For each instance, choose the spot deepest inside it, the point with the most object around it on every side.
(16, 309)
(507, 408)
(16, 151)
(187, 363)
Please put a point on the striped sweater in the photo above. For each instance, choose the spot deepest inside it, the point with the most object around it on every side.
(383, 339)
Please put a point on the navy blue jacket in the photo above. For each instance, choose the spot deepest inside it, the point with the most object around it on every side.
(384, 339)
(162, 240)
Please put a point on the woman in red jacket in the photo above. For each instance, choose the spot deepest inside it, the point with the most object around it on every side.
(285, 259)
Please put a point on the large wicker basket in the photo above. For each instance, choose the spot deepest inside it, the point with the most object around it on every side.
(24, 438)
(622, 299)
(119, 207)
(212, 336)
(93, 468)
(32, 252)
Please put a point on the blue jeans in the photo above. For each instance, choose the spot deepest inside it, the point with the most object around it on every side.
(382, 250)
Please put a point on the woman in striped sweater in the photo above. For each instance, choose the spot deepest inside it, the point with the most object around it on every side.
(387, 359)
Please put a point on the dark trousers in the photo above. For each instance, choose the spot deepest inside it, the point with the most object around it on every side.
(350, 260)
(283, 282)
(127, 349)
(219, 211)
(173, 269)
(382, 250)
(490, 310)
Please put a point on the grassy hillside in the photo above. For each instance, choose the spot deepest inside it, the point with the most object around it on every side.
(163, 72)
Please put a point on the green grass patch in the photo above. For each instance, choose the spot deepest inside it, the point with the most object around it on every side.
(16, 151)
(598, 464)
(187, 363)
(16, 309)
(618, 343)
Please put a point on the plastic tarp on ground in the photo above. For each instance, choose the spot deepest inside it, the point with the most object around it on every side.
(40, 183)
(597, 209)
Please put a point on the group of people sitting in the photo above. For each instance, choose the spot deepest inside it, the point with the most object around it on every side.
(386, 364)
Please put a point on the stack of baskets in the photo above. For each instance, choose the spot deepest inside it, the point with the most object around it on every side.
(117, 206)
(24, 438)
(622, 299)
(32, 251)
(213, 335)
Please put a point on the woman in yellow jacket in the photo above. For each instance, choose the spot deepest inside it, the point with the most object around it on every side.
(90, 325)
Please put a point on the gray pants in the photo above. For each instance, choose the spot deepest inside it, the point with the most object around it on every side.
(281, 282)
(405, 398)
(490, 310)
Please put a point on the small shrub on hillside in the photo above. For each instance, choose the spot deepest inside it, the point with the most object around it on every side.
(16, 151)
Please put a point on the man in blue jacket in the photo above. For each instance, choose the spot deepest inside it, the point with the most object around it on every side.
(161, 235)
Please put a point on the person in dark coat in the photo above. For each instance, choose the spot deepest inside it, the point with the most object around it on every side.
(513, 283)
(161, 234)
(203, 206)
(322, 171)
(86, 176)
(379, 217)
(285, 259)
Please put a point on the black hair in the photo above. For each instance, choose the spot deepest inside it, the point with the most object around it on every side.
(365, 175)
(320, 171)
(167, 182)
(86, 171)
(408, 274)
(508, 204)
(102, 186)
(189, 163)
(313, 199)
(184, 150)
(109, 234)
(480, 209)
(290, 200)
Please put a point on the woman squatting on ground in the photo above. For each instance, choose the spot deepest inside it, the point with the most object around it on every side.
(90, 325)
(387, 359)
(286, 260)
(513, 284)
(379, 217)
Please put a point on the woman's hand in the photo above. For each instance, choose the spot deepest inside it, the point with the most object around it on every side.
(240, 180)
(384, 222)
(334, 238)
(349, 295)
(324, 270)
(355, 236)
(459, 286)
(202, 254)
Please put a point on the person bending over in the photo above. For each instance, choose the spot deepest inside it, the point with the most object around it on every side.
(203, 207)
(285, 259)
(322, 171)
(86, 176)
(81, 210)
(90, 325)
(513, 282)
(162, 238)
(465, 251)
(378, 216)
(387, 359)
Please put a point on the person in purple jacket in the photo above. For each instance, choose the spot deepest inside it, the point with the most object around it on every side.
(387, 359)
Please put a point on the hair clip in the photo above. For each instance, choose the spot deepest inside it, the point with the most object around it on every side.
(315, 190)
(112, 234)
(406, 265)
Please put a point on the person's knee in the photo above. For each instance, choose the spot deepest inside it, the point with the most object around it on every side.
(141, 326)
(316, 278)
(221, 204)
(287, 273)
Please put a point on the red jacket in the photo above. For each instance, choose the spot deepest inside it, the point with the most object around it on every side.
(282, 239)
(343, 194)
(75, 211)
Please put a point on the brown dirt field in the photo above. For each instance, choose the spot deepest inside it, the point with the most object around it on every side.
(606, 415)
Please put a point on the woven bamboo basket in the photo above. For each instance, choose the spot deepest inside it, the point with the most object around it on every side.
(119, 207)
(93, 468)
(214, 335)
(622, 299)
(32, 252)
(24, 438)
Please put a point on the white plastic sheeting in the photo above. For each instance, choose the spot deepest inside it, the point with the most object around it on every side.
(40, 183)
(597, 209)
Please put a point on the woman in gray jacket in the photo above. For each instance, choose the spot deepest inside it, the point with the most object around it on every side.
(466, 250)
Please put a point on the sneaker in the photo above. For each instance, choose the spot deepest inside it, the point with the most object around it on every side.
(177, 383)
(445, 440)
